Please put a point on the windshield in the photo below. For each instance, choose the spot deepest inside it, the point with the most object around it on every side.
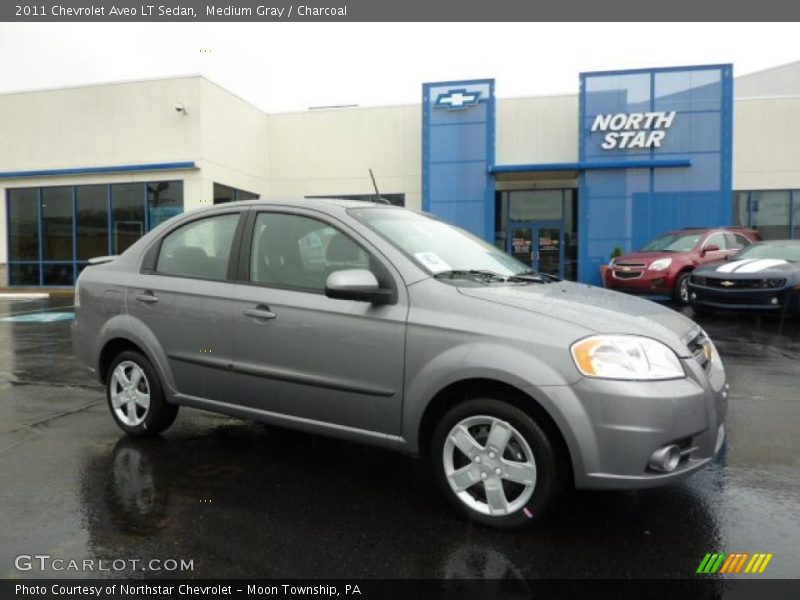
(673, 242)
(790, 252)
(436, 246)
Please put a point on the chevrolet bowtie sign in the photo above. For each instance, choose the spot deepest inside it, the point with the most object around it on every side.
(457, 99)
(633, 130)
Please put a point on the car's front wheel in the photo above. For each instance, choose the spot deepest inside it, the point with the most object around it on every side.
(681, 292)
(136, 398)
(496, 464)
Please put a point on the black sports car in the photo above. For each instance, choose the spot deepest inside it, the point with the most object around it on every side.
(763, 277)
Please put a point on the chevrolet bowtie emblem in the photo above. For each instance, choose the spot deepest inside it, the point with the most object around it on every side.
(626, 269)
(727, 283)
(455, 99)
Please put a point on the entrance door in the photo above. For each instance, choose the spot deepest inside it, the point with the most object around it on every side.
(539, 245)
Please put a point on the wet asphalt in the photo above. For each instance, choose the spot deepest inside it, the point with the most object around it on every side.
(244, 500)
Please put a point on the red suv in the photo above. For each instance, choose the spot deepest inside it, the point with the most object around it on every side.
(663, 265)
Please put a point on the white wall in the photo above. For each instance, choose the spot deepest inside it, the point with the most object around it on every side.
(766, 143)
(330, 151)
(537, 130)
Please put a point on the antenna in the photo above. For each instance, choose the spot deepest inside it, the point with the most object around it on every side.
(378, 198)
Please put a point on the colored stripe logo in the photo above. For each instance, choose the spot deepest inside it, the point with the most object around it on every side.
(737, 562)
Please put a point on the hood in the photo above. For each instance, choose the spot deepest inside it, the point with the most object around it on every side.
(750, 267)
(596, 309)
(644, 257)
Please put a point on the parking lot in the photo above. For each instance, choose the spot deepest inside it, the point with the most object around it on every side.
(241, 499)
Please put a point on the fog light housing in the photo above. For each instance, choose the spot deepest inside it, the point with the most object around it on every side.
(693, 296)
(774, 301)
(665, 460)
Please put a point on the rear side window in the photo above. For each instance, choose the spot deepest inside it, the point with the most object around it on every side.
(200, 249)
(736, 241)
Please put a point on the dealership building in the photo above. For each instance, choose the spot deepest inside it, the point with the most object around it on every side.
(558, 181)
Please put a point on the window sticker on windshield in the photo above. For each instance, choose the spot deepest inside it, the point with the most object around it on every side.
(433, 262)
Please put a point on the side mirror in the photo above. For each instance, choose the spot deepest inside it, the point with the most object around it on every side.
(356, 284)
(710, 248)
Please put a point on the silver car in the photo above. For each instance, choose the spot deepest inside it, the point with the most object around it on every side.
(387, 326)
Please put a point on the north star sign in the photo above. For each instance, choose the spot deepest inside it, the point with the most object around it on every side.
(633, 130)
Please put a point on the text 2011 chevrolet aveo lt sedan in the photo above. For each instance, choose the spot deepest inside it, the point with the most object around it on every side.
(386, 326)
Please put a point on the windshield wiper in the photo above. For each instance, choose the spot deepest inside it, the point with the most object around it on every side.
(533, 276)
(482, 273)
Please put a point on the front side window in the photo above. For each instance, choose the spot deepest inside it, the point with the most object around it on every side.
(294, 251)
(200, 249)
(718, 240)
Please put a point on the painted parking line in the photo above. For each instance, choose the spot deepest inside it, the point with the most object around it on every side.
(40, 317)
(64, 308)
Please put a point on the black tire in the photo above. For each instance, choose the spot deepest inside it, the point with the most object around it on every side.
(681, 284)
(550, 465)
(159, 415)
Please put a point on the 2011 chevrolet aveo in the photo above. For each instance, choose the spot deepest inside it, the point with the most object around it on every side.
(387, 326)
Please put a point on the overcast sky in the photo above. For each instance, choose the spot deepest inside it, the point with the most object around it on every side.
(291, 66)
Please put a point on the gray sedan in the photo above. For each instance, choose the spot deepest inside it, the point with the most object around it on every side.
(390, 327)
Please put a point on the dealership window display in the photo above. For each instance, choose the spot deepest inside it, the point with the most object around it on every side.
(54, 231)
(774, 213)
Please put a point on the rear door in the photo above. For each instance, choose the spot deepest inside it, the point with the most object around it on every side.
(301, 354)
(184, 298)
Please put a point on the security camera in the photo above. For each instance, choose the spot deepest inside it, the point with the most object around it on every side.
(180, 108)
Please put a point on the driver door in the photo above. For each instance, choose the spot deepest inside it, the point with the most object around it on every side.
(301, 354)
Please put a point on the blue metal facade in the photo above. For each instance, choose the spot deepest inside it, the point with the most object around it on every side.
(627, 207)
(628, 193)
(458, 124)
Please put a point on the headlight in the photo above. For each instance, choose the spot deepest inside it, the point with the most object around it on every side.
(625, 357)
(660, 264)
(611, 263)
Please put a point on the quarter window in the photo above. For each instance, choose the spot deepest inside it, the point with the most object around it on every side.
(299, 252)
(200, 249)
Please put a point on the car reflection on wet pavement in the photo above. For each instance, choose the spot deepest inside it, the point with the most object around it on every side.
(242, 499)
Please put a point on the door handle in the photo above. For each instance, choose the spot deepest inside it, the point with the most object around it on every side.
(148, 297)
(260, 312)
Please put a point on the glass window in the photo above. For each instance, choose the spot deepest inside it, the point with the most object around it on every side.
(796, 214)
(771, 213)
(243, 195)
(741, 209)
(127, 226)
(436, 246)
(199, 249)
(58, 274)
(23, 224)
(736, 241)
(673, 242)
(57, 224)
(536, 205)
(299, 252)
(223, 194)
(717, 239)
(164, 201)
(91, 208)
(23, 274)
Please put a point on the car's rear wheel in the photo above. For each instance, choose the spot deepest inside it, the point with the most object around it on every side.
(136, 398)
(681, 292)
(496, 464)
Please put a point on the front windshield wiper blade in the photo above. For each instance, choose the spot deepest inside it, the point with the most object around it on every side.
(533, 276)
(456, 273)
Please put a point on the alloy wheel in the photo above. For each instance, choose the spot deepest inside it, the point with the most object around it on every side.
(489, 465)
(130, 393)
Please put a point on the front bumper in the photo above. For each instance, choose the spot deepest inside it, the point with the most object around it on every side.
(615, 426)
(639, 281)
(747, 300)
